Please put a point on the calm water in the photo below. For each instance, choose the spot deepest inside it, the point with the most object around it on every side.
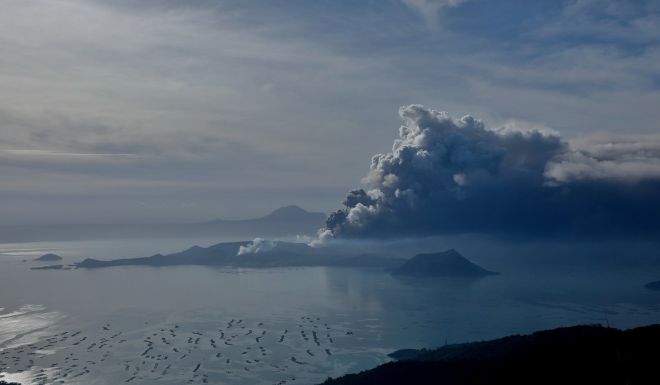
(179, 325)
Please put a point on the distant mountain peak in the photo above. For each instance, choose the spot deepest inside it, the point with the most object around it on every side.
(284, 221)
(289, 212)
(451, 253)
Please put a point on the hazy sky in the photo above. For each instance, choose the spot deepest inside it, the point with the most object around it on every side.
(178, 110)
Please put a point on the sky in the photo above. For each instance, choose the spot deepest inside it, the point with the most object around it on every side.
(118, 111)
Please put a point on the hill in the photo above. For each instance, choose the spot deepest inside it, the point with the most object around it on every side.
(49, 258)
(574, 355)
(449, 263)
(282, 222)
(288, 220)
(655, 286)
(279, 254)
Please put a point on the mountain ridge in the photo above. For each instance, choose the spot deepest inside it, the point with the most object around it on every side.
(285, 221)
(583, 354)
(284, 213)
(281, 254)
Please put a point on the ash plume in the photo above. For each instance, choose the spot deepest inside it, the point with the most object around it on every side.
(455, 175)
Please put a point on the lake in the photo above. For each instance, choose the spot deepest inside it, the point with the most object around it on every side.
(194, 324)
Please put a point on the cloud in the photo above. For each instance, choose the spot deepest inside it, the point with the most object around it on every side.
(430, 9)
(624, 22)
(46, 153)
(613, 158)
(257, 246)
(206, 92)
(454, 175)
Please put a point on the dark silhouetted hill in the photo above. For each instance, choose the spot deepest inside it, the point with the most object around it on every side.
(281, 254)
(287, 254)
(575, 355)
(449, 263)
(655, 285)
(49, 258)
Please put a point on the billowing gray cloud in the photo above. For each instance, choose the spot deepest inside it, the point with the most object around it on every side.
(603, 157)
(452, 175)
(257, 246)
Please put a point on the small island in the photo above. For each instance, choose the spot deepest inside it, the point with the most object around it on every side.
(50, 257)
(449, 263)
(51, 267)
(278, 254)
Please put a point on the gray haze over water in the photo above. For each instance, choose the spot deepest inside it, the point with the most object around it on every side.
(367, 313)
